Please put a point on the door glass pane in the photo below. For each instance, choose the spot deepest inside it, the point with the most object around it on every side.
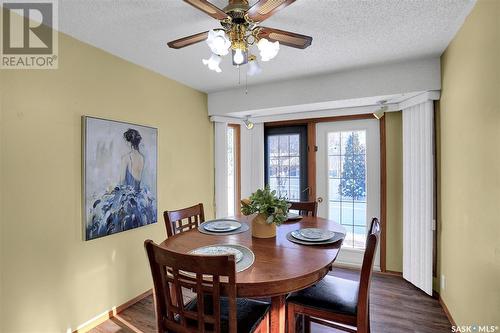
(347, 184)
(284, 165)
(273, 146)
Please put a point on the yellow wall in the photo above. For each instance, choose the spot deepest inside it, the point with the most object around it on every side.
(53, 280)
(394, 167)
(470, 169)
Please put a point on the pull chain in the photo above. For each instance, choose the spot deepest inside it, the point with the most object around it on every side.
(246, 83)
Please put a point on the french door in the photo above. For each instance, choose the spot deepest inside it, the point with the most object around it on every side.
(348, 181)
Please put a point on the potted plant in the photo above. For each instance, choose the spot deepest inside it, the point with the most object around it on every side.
(271, 211)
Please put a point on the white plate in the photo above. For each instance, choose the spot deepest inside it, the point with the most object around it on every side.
(293, 216)
(221, 225)
(218, 250)
(313, 234)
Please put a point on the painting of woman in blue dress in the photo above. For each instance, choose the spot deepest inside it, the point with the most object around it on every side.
(121, 192)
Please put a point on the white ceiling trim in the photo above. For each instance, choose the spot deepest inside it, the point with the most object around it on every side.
(391, 107)
(421, 98)
(330, 91)
(306, 115)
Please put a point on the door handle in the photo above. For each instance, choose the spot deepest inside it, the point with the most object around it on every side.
(320, 200)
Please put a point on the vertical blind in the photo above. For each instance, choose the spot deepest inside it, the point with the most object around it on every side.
(252, 159)
(418, 194)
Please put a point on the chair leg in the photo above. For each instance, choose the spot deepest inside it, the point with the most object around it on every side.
(307, 324)
(290, 313)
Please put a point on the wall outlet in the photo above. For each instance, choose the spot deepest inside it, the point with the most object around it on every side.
(443, 282)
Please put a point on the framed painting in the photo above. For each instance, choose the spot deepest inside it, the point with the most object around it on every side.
(119, 176)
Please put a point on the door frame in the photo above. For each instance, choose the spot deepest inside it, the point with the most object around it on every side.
(237, 153)
(311, 176)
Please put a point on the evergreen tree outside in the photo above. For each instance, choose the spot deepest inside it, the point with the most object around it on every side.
(353, 183)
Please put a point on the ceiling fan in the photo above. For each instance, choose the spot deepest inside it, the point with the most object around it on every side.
(240, 31)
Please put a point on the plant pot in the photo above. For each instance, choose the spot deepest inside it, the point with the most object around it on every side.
(262, 229)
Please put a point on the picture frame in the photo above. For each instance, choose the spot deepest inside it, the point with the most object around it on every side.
(120, 174)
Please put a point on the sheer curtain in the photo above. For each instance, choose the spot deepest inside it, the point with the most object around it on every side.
(221, 183)
(252, 164)
(418, 194)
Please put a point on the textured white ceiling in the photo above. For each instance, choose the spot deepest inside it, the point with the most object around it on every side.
(346, 34)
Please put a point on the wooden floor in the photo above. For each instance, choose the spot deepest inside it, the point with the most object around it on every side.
(396, 307)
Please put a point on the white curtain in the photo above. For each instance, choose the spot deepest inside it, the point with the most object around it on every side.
(418, 194)
(221, 184)
(252, 159)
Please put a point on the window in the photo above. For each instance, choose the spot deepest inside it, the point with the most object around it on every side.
(347, 184)
(233, 170)
(286, 161)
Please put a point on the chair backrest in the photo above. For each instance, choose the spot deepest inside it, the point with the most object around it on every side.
(172, 271)
(305, 208)
(185, 219)
(367, 268)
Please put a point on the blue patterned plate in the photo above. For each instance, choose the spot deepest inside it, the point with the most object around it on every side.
(243, 261)
(221, 225)
(218, 250)
(313, 234)
(293, 216)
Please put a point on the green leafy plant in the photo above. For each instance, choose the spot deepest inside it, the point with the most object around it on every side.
(266, 202)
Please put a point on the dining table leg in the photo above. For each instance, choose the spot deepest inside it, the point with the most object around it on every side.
(278, 314)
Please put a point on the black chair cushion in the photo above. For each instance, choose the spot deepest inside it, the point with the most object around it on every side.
(249, 313)
(331, 294)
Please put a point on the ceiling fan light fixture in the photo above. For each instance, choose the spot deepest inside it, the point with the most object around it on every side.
(268, 50)
(238, 57)
(218, 42)
(253, 66)
(213, 62)
(240, 32)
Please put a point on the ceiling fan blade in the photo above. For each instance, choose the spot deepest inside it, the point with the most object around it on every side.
(208, 8)
(189, 40)
(284, 37)
(264, 9)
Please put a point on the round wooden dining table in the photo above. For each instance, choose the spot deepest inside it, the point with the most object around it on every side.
(280, 266)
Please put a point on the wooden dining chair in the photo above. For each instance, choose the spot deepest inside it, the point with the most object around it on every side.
(338, 302)
(184, 219)
(209, 277)
(305, 208)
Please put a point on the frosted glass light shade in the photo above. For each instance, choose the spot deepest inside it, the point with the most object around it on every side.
(268, 50)
(238, 57)
(218, 42)
(253, 68)
(213, 62)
